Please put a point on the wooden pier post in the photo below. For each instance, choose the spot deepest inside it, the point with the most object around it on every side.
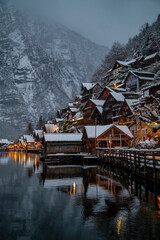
(154, 165)
(145, 167)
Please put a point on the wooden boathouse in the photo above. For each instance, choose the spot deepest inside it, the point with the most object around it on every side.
(68, 143)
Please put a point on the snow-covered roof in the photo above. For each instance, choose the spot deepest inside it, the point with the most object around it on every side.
(70, 104)
(98, 102)
(36, 132)
(100, 109)
(28, 138)
(88, 86)
(146, 78)
(151, 86)
(109, 70)
(74, 109)
(122, 63)
(119, 89)
(131, 61)
(78, 115)
(63, 137)
(59, 120)
(131, 103)
(98, 130)
(118, 96)
(51, 128)
(4, 141)
(150, 56)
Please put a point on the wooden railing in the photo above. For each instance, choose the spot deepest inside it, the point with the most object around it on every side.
(143, 162)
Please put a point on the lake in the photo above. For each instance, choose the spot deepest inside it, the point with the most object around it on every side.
(73, 202)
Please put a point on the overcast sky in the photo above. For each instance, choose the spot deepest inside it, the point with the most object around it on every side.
(102, 21)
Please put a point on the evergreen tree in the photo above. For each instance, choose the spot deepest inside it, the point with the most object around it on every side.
(29, 129)
(40, 123)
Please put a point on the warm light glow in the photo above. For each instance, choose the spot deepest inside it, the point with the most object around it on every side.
(35, 161)
(70, 194)
(155, 123)
(24, 158)
(74, 187)
(158, 198)
(119, 222)
(124, 123)
(15, 156)
(29, 159)
(19, 157)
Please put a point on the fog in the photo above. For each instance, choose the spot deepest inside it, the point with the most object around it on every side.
(102, 21)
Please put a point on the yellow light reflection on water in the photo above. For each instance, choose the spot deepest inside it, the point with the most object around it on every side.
(29, 159)
(19, 157)
(35, 161)
(74, 187)
(119, 222)
(15, 156)
(24, 158)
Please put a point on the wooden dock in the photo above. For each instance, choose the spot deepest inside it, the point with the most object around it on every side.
(70, 158)
(143, 163)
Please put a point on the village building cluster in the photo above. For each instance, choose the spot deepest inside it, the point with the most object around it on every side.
(110, 115)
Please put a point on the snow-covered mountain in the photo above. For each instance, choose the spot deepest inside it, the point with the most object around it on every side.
(42, 66)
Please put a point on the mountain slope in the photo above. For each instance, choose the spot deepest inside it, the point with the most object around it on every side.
(143, 44)
(42, 66)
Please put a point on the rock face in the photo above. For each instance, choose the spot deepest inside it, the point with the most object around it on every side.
(42, 66)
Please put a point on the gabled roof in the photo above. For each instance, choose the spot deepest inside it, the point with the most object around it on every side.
(88, 86)
(151, 56)
(59, 120)
(74, 109)
(148, 76)
(151, 86)
(36, 132)
(99, 109)
(70, 105)
(63, 137)
(130, 103)
(98, 102)
(98, 130)
(118, 89)
(117, 96)
(28, 138)
(78, 115)
(51, 128)
(5, 141)
(104, 89)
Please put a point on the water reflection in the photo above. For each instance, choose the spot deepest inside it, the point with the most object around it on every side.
(27, 160)
(72, 202)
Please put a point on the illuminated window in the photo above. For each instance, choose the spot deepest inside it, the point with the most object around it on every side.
(117, 65)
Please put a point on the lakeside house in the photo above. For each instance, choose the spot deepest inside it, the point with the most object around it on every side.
(90, 90)
(136, 79)
(62, 143)
(111, 106)
(106, 136)
(89, 108)
(28, 141)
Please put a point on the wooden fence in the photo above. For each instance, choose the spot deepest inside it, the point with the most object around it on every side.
(143, 162)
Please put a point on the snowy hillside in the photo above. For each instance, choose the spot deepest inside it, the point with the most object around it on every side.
(42, 66)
